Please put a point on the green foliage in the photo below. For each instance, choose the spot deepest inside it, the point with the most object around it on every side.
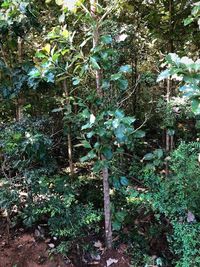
(187, 71)
(178, 199)
(51, 48)
(25, 156)
(57, 201)
(186, 243)
(112, 131)
(195, 14)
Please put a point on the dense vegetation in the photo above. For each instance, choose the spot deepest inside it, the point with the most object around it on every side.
(99, 125)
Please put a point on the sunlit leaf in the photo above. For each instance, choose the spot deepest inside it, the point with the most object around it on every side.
(124, 181)
(163, 75)
(106, 39)
(149, 156)
(125, 68)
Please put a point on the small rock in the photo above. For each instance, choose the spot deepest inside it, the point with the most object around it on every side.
(37, 233)
(51, 245)
(95, 257)
(110, 261)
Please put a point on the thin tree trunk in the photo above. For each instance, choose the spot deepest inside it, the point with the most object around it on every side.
(93, 4)
(169, 137)
(105, 173)
(69, 139)
(20, 100)
(168, 100)
(107, 211)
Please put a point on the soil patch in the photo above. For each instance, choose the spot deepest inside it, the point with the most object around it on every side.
(24, 250)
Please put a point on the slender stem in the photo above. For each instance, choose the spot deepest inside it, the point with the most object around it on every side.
(105, 172)
(169, 138)
(20, 100)
(69, 139)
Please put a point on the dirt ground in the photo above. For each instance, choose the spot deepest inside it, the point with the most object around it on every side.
(24, 250)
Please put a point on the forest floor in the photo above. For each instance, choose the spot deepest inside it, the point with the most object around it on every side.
(24, 249)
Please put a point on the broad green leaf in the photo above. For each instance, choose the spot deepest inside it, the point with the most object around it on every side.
(86, 126)
(92, 154)
(107, 152)
(120, 216)
(90, 134)
(65, 33)
(119, 113)
(188, 21)
(106, 39)
(159, 262)
(89, 156)
(196, 106)
(97, 145)
(123, 84)
(75, 81)
(173, 58)
(86, 144)
(120, 133)
(115, 77)
(116, 123)
(47, 48)
(94, 63)
(149, 156)
(196, 9)
(116, 226)
(125, 68)
(163, 75)
(55, 56)
(50, 78)
(83, 159)
(116, 184)
(105, 84)
(139, 134)
(85, 114)
(159, 153)
(34, 73)
(128, 120)
(59, 2)
(40, 55)
(124, 181)
(63, 52)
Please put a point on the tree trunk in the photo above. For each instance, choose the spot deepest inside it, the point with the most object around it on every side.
(105, 173)
(69, 139)
(20, 100)
(107, 211)
(169, 138)
(93, 4)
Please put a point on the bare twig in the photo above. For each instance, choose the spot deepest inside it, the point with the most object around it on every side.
(131, 93)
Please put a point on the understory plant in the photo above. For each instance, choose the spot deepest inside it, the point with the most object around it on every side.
(177, 199)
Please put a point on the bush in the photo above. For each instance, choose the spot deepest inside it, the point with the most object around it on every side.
(177, 197)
